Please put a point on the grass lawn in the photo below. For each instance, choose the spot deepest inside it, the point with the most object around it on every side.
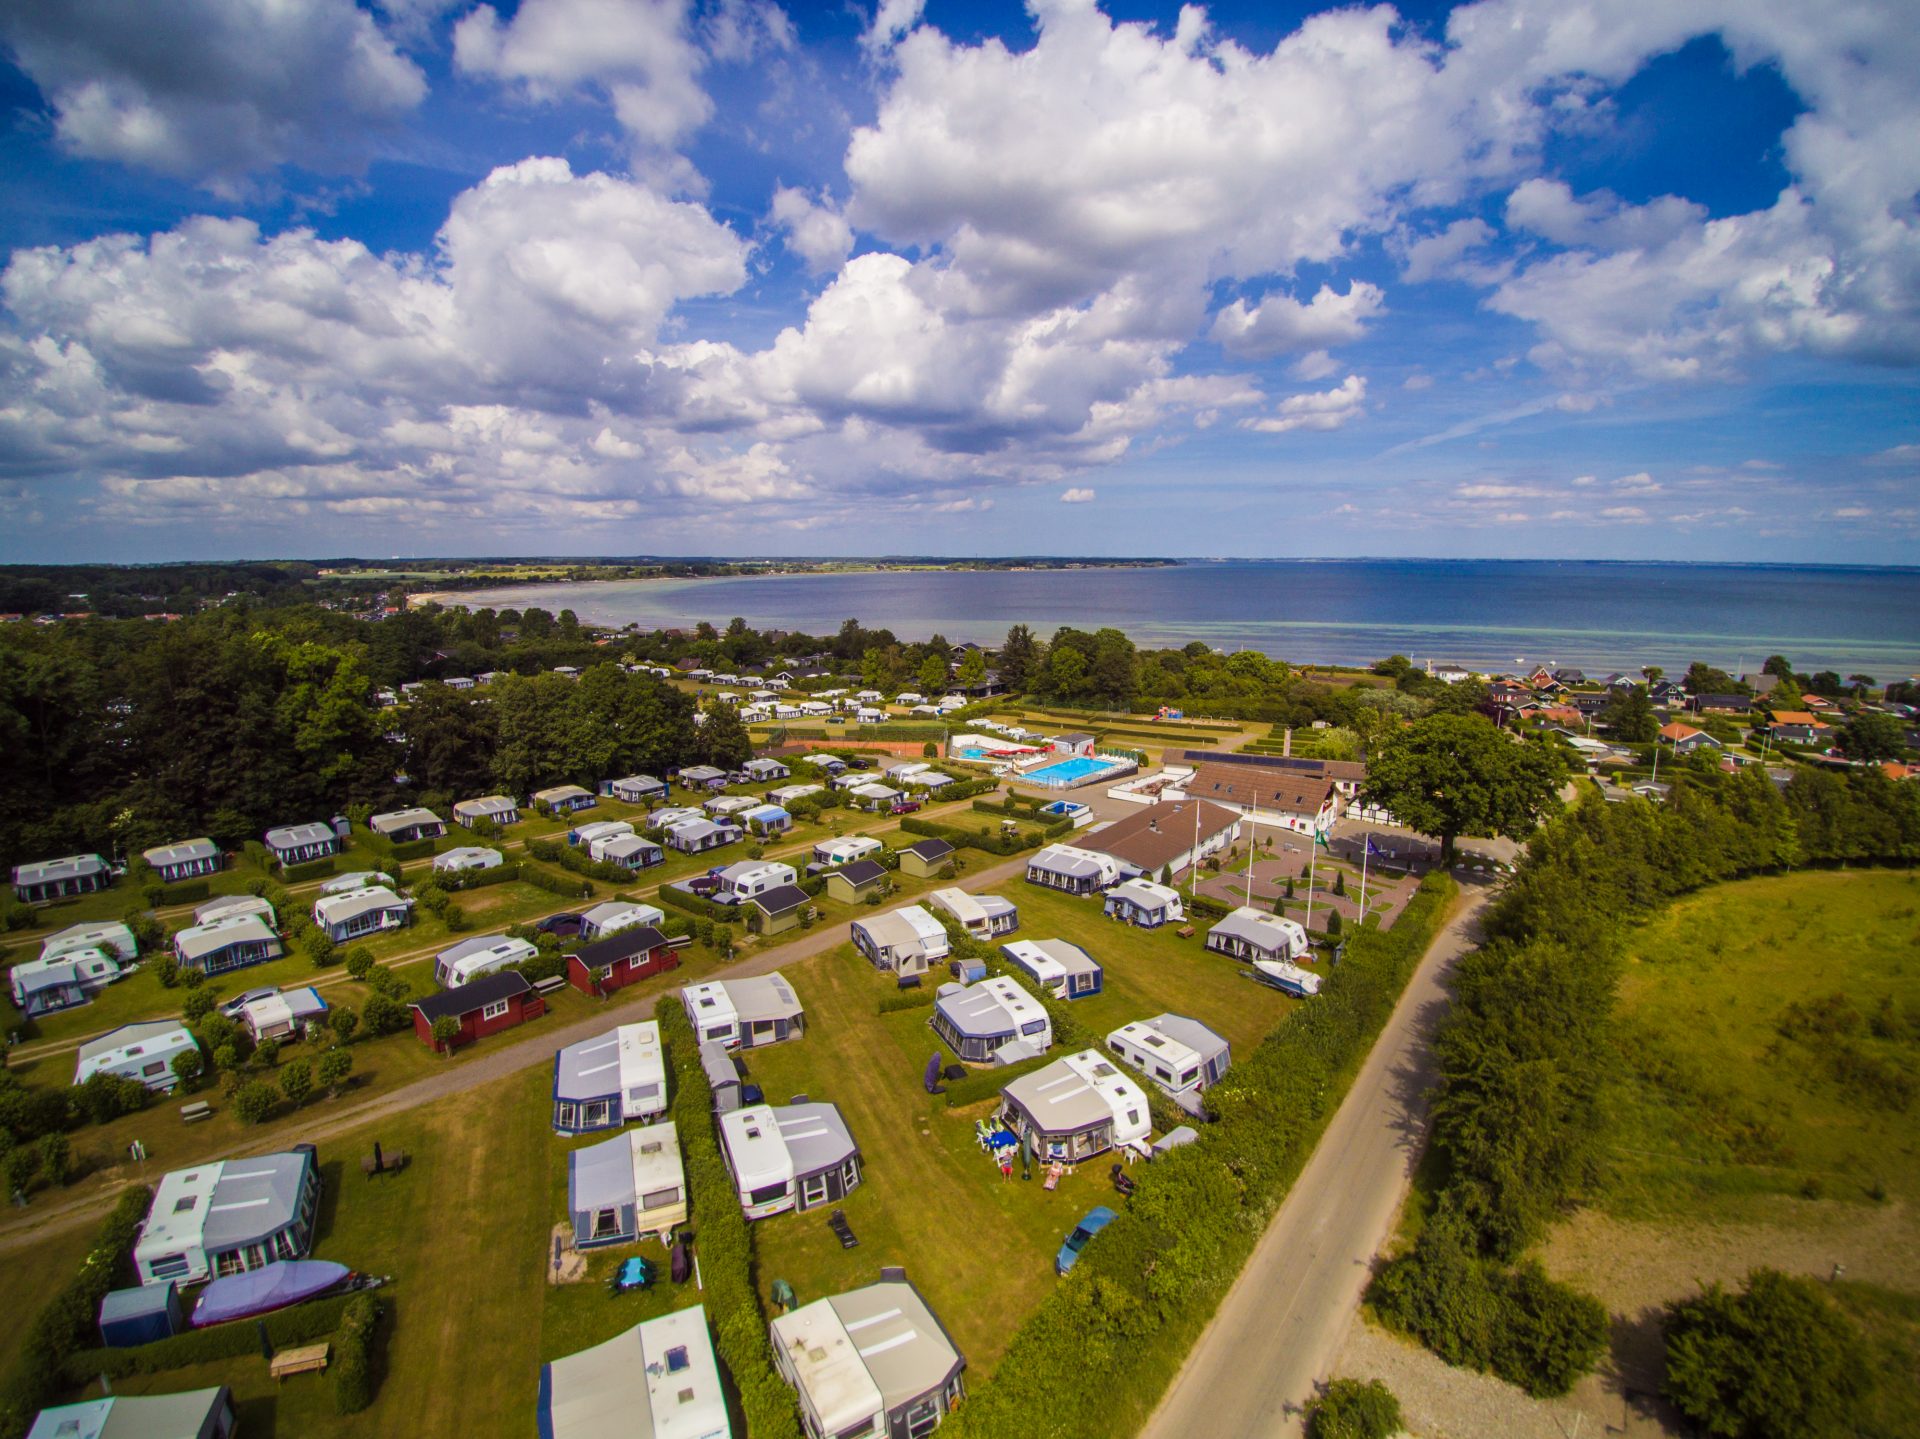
(1150, 971)
(1726, 1096)
(979, 1248)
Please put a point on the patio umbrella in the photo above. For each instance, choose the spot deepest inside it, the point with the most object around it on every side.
(933, 1072)
(1026, 1156)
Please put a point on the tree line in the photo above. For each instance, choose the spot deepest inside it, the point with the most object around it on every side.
(1520, 1112)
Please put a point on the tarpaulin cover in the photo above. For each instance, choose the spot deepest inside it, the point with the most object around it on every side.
(260, 1291)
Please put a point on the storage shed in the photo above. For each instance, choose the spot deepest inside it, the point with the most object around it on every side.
(140, 1315)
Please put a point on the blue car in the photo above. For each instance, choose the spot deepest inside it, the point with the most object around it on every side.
(1098, 1218)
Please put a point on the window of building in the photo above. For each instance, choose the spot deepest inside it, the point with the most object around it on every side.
(497, 1010)
(168, 1266)
(606, 1223)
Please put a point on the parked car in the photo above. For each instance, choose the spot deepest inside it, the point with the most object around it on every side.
(231, 1007)
(1098, 1218)
(857, 763)
(905, 806)
(561, 926)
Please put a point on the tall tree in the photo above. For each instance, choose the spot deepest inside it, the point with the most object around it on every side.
(933, 675)
(1628, 715)
(1019, 658)
(973, 670)
(1449, 775)
(723, 739)
(1874, 737)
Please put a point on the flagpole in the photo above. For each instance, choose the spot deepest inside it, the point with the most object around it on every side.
(1366, 852)
(1313, 866)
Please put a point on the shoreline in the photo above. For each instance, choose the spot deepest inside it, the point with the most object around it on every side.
(1347, 619)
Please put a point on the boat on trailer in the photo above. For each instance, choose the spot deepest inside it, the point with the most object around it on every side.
(274, 1286)
(1287, 978)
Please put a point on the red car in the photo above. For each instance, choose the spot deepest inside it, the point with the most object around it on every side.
(905, 806)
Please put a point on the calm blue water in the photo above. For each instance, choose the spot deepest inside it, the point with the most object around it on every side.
(1487, 613)
(1069, 771)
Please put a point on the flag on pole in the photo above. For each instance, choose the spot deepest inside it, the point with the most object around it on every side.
(1373, 848)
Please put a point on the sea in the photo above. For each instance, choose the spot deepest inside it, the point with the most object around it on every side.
(1598, 616)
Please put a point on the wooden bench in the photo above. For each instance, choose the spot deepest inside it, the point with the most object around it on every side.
(306, 1359)
(199, 1109)
(1185, 931)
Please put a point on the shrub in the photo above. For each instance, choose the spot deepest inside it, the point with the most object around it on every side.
(105, 1097)
(312, 869)
(343, 1022)
(382, 1014)
(296, 1082)
(1335, 923)
(356, 1353)
(199, 1004)
(332, 1070)
(1772, 1361)
(360, 961)
(919, 998)
(188, 1065)
(446, 1029)
(1352, 1409)
(255, 1101)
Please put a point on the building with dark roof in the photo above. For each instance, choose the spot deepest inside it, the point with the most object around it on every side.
(484, 1006)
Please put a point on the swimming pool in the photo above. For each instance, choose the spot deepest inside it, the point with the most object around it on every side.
(1080, 769)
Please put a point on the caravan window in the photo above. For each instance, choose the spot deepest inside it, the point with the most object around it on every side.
(767, 1193)
(157, 1067)
(813, 1190)
(923, 1418)
(168, 1266)
(1034, 1028)
(1189, 1076)
(660, 1198)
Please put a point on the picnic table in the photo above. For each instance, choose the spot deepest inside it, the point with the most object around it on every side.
(377, 1163)
(199, 1109)
(1185, 931)
(306, 1359)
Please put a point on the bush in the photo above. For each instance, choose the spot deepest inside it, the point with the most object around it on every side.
(920, 998)
(255, 1101)
(356, 1354)
(296, 1082)
(312, 869)
(1350, 1409)
(360, 961)
(188, 1066)
(382, 1014)
(559, 884)
(199, 1004)
(343, 1022)
(1772, 1361)
(105, 1097)
(332, 1070)
(694, 904)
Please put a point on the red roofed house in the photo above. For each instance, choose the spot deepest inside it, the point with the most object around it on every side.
(1800, 727)
(1685, 739)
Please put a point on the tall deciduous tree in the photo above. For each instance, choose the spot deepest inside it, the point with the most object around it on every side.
(1019, 657)
(1628, 715)
(1449, 775)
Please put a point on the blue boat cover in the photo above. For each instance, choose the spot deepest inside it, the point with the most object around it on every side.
(260, 1291)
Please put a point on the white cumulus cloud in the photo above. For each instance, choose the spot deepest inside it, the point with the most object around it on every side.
(1327, 410)
(1078, 495)
(1280, 323)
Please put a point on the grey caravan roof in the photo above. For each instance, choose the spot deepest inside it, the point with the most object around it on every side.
(600, 1176)
(905, 1350)
(1053, 860)
(115, 1040)
(1058, 1100)
(762, 997)
(252, 1197)
(46, 871)
(294, 835)
(1240, 924)
(205, 939)
(976, 1013)
(1190, 1032)
(817, 1138)
(181, 853)
(591, 1068)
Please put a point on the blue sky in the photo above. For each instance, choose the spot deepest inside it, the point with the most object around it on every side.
(1590, 278)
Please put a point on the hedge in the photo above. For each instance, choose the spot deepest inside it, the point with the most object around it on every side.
(987, 1083)
(921, 997)
(186, 891)
(461, 879)
(571, 857)
(301, 1324)
(964, 789)
(402, 851)
(726, 1249)
(990, 842)
(675, 898)
(356, 1354)
(312, 869)
(1136, 1300)
(559, 884)
(1202, 906)
(67, 1320)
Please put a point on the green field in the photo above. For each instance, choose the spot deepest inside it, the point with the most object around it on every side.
(1770, 1045)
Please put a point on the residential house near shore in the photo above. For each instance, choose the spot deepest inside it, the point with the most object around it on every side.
(1270, 795)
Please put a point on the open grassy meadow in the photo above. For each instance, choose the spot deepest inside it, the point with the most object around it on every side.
(1770, 1045)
